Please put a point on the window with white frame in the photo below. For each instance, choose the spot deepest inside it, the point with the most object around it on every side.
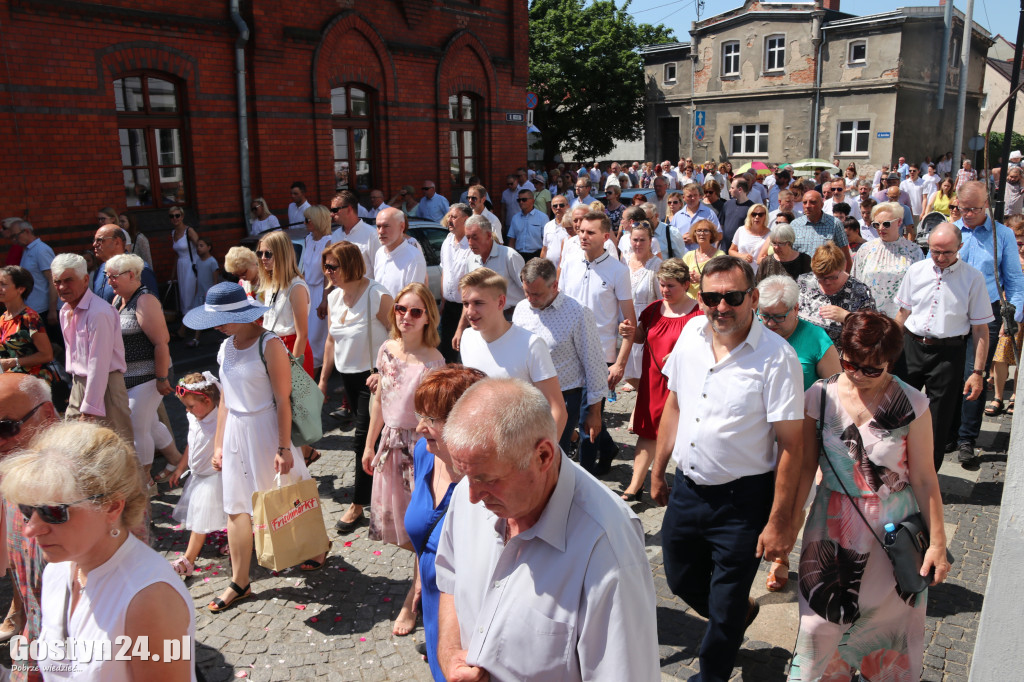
(858, 53)
(670, 72)
(854, 137)
(731, 58)
(750, 138)
(774, 53)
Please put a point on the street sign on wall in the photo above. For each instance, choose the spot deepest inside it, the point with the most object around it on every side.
(698, 133)
(517, 117)
(698, 119)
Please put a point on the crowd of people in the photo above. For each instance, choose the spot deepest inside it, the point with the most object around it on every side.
(794, 353)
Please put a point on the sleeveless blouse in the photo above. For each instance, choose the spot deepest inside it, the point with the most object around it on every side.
(139, 352)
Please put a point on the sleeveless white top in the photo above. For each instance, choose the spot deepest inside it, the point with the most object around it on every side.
(280, 319)
(100, 614)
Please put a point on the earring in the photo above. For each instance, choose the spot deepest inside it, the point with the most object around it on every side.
(115, 532)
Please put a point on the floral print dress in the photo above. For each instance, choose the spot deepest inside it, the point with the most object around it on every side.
(852, 614)
(881, 265)
(16, 341)
(854, 296)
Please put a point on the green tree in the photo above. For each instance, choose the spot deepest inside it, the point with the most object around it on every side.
(587, 71)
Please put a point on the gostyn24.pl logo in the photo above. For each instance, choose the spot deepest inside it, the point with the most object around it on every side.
(123, 648)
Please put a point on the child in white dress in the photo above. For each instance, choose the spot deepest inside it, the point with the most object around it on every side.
(201, 507)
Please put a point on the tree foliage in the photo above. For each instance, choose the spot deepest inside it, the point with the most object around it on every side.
(587, 71)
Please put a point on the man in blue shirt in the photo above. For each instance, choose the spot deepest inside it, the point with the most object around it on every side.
(36, 259)
(976, 227)
(109, 242)
(526, 233)
(433, 206)
(693, 210)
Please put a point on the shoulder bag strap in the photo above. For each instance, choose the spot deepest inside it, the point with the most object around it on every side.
(369, 324)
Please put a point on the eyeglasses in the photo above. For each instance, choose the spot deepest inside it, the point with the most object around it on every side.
(307, 220)
(53, 514)
(115, 275)
(172, 216)
(9, 428)
(472, 198)
(776, 245)
(939, 254)
(768, 317)
(256, 208)
(827, 278)
(425, 418)
(267, 255)
(758, 215)
(95, 242)
(870, 372)
(414, 313)
(885, 223)
(674, 201)
(732, 298)
(702, 231)
(971, 209)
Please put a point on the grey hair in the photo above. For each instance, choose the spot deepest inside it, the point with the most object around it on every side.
(23, 225)
(481, 222)
(864, 183)
(126, 262)
(509, 417)
(35, 389)
(7, 222)
(783, 233)
(538, 267)
(69, 261)
(778, 289)
(463, 209)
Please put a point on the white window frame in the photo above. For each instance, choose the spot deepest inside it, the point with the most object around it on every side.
(849, 53)
(726, 59)
(665, 76)
(778, 51)
(753, 139)
(857, 127)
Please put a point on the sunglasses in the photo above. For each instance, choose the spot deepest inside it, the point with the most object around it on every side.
(307, 221)
(758, 215)
(954, 207)
(9, 428)
(331, 268)
(426, 188)
(732, 298)
(336, 209)
(53, 514)
(559, 205)
(255, 208)
(828, 278)
(173, 215)
(264, 254)
(181, 392)
(414, 313)
(768, 317)
(870, 372)
(885, 223)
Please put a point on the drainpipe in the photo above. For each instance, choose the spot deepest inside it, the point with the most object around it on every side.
(947, 36)
(961, 95)
(243, 116)
(818, 39)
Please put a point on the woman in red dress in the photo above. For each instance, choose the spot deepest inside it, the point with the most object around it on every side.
(657, 330)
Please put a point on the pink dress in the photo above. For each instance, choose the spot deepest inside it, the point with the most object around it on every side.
(393, 463)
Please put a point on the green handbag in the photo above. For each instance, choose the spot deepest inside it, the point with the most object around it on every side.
(307, 401)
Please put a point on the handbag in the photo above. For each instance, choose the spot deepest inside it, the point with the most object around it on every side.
(60, 389)
(905, 546)
(169, 300)
(306, 401)
(288, 524)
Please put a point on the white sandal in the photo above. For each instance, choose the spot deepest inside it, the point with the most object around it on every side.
(182, 566)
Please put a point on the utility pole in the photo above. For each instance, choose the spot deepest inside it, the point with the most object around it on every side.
(947, 36)
(961, 99)
(1011, 108)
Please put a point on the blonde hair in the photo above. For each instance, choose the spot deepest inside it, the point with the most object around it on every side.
(239, 258)
(285, 267)
(430, 336)
(72, 461)
(483, 278)
(891, 207)
(211, 391)
(320, 217)
(674, 268)
(827, 259)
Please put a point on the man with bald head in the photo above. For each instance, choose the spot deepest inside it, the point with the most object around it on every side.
(433, 206)
(399, 262)
(110, 241)
(25, 405)
(941, 300)
(815, 227)
(527, 513)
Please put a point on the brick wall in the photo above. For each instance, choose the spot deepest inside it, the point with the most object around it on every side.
(57, 116)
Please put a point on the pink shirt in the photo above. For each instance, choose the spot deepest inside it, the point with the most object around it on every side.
(94, 347)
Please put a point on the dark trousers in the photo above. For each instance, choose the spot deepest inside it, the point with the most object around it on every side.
(709, 536)
(527, 255)
(573, 398)
(450, 316)
(359, 402)
(937, 368)
(973, 411)
(596, 457)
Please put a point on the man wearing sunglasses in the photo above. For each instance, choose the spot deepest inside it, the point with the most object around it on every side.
(732, 498)
(976, 227)
(25, 408)
(941, 300)
(477, 198)
(109, 242)
(526, 233)
(433, 206)
(349, 227)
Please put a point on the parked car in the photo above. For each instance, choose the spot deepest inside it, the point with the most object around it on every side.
(430, 236)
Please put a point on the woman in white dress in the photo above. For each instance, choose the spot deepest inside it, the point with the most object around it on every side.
(262, 218)
(77, 486)
(183, 241)
(254, 421)
(751, 236)
(318, 224)
(643, 280)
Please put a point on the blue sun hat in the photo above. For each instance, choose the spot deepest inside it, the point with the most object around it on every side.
(226, 303)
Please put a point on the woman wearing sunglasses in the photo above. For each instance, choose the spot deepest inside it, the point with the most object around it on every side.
(877, 437)
(283, 290)
(262, 219)
(318, 226)
(183, 241)
(77, 487)
(881, 263)
(242, 264)
(751, 236)
(358, 318)
(828, 293)
(403, 361)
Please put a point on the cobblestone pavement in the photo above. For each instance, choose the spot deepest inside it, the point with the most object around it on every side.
(336, 623)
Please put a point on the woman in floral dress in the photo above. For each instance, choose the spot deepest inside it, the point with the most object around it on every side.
(403, 361)
(24, 345)
(882, 262)
(877, 436)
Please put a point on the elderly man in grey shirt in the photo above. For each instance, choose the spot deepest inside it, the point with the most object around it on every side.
(553, 581)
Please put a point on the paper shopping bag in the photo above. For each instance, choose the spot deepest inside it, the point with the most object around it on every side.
(288, 524)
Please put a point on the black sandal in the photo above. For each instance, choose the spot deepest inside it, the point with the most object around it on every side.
(218, 605)
(314, 455)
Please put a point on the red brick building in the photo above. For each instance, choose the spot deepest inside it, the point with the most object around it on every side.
(135, 104)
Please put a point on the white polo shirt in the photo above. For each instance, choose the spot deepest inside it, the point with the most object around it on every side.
(943, 303)
(399, 267)
(599, 285)
(362, 235)
(296, 217)
(728, 406)
(507, 263)
(516, 354)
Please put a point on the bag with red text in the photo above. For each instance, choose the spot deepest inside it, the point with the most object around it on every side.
(288, 524)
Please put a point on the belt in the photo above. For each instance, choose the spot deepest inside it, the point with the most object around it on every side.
(930, 341)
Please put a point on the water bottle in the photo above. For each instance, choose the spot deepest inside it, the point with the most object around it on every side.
(890, 534)
(612, 397)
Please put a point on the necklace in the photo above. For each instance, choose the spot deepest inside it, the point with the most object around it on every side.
(80, 577)
(869, 409)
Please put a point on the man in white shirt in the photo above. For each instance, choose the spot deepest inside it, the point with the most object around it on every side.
(487, 253)
(554, 233)
(595, 174)
(735, 393)
(571, 335)
(349, 227)
(553, 581)
(399, 262)
(297, 209)
(455, 255)
(510, 198)
(914, 188)
(601, 283)
(377, 203)
(498, 348)
(941, 299)
(660, 198)
(613, 176)
(476, 197)
(669, 175)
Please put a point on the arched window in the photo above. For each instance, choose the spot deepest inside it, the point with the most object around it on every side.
(352, 120)
(464, 117)
(151, 132)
